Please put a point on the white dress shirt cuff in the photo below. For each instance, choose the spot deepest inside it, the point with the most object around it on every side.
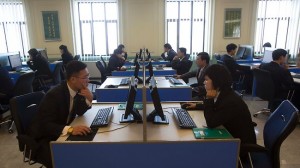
(88, 102)
(65, 131)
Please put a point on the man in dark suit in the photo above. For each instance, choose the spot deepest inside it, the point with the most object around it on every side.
(282, 78)
(6, 86)
(116, 62)
(59, 107)
(202, 62)
(181, 63)
(168, 54)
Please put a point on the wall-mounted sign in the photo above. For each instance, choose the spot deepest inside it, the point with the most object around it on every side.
(51, 25)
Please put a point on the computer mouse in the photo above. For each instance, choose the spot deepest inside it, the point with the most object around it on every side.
(184, 106)
(110, 86)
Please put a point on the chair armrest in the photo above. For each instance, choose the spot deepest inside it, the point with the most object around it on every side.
(253, 148)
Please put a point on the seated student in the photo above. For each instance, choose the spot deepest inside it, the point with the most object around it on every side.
(6, 86)
(66, 56)
(40, 65)
(202, 62)
(168, 54)
(281, 76)
(124, 53)
(181, 63)
(58, 109)
(223, 106)
(116, 62)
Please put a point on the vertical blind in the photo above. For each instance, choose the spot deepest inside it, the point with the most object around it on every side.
(187, 24)
(278, 24)
(96, 26)
(13, 30)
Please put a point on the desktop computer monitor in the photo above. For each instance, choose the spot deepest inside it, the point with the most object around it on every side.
(157, 115)
(15, 61)
(4, 62)
(131, 114)
(43, 53)
(140, 55)
(150, 68)
(136, 73)
(135, 61)
(240, 52)
(268, 55)
(248, 53)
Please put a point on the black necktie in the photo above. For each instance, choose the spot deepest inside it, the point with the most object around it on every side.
(72, 114)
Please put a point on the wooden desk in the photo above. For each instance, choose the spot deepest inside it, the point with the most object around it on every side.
(167, 91)
(167, 146)
(165, 71)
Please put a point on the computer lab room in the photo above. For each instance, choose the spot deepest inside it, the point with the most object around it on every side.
(149, 83)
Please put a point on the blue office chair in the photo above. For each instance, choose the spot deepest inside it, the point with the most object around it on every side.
(277, 128)
(102, 71)
(24, 108)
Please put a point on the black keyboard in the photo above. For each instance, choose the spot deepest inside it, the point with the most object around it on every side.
(174, 81)
(183, 118)
(124, 81)
(102, 117)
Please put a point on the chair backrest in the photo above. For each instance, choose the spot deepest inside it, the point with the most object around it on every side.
(24, 84)
(190, 64)
(265, 88)
(102, 70)
(103, 61)
(278, 126)
(76, 57)
(24, 108)
(56, 73)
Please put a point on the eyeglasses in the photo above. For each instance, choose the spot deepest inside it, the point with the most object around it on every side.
(83, 78)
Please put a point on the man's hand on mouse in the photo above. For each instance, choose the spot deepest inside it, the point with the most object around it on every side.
(190, 105)
(81, 130)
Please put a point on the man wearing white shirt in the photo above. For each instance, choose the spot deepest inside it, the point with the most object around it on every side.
(59, 107)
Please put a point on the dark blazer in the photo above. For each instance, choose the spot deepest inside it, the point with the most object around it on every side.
(181, 66)
(282, 78)
(234, 68)
(66, 58)
(232, 112)
(115, 63)
(6, 86)
(53, 113)
(40, 65)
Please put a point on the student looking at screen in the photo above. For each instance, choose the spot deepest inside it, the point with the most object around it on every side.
(169, 53)
(66, 56)
(222, 106)
(124, 53)
(281, 76)
(181, 63)
(116, 62)
(202, 62)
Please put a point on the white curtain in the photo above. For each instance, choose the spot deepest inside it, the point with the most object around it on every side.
(13, 30)
(293, 40)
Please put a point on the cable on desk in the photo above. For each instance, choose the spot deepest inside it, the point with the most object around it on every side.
(99, 132)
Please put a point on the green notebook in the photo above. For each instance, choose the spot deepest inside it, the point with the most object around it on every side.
(209, 133)
(122, 106)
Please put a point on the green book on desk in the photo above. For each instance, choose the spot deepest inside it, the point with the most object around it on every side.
(211, 133)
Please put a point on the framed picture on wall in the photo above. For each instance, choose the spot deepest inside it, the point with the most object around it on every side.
(51, 25)
(232, 23)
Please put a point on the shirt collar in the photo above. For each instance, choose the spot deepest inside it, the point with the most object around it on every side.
(216, 98)
(71, 91)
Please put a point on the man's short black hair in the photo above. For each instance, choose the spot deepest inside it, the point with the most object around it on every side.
(220, 76)
(117, 51)
(231, 47)
(183, 50)
(168, 46)
(33, 52)
(278, 53)
(74, 67)
(204, 56)
(121, 46)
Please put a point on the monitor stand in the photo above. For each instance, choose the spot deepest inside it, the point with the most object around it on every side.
(140, 80)
(156, 119)
(134, 116)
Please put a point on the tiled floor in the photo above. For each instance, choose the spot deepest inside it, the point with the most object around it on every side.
(10, 157)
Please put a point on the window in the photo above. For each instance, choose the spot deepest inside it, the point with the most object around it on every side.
(275, 20)
(96, 26)
(13, 31)
(186, 25)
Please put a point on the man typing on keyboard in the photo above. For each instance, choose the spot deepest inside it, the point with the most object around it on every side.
(59, 107)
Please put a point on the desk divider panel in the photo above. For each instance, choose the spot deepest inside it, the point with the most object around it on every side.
(181, 154)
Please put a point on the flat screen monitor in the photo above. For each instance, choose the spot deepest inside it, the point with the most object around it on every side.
(151, 74)
(157, 115)
(249, 52)
(136, 73)
(4, 60)
(15, 61)
(268, 55)
(240, 52)
(131, 114)
(43, 53)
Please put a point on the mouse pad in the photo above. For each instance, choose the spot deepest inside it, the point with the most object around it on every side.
(88, 137)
